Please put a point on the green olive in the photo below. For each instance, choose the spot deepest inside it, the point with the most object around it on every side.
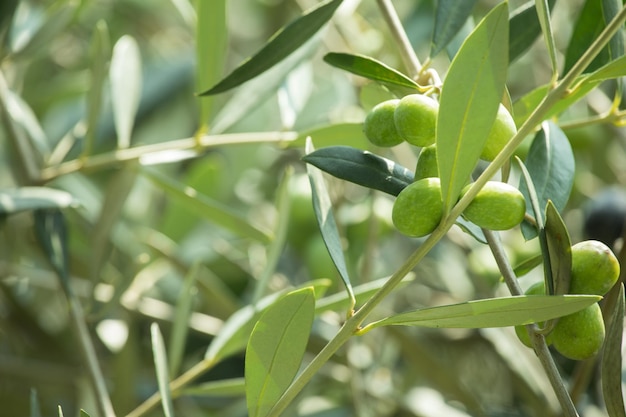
(418, 208)
(579, 335)
(427, 166)
(416, 119)
(379, 126)
(537, 288)
(497, 206)
(595, 269)
(502, 131)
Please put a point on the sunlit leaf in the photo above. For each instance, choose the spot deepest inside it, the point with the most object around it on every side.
(493, 312)
(33, 198)
(611, 366)
(369, 68)
(470, 97)
(276, 348)
(125, 76)
(361, 167)
(160, 364)
(450, 16)
(281, 45)
(322, 207)
(347, 134)
(559, 248)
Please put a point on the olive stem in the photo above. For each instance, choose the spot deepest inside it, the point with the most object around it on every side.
(537, 339)
(411, 61)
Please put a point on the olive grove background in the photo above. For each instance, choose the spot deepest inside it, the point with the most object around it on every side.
(177, 203)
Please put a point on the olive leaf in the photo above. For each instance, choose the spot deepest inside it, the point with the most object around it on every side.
(524, 28)
(559, 249)
(450, 16)
(361, 167)
(34, 198)
(611, 365)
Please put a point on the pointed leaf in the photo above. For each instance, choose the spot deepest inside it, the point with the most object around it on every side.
(99, 54)
(51, 232)
(33, 198)
(524, 28)
(281, 45)
(450, 16)
(160, 364)
(276, 348)
(125, 76)
(322, 207)
(560, 249)
(611, 366)
(231, 387)
(493, 312)
(35, 409)
(370, 68)
(361, 167)
(83, 413)
(470, 97)
(550, 163)
(543, 13)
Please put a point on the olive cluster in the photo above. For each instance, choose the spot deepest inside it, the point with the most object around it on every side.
(419, 208)
(580, 335)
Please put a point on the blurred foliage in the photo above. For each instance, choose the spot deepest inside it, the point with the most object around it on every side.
(141, 253)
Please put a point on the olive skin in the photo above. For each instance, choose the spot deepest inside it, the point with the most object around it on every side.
(595, 269)
(579, 335)
(497, 206)
(418, 209)
(379, 126)
(427, 166)
(416, 118)
(502, 131)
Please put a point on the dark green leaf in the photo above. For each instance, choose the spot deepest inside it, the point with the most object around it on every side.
(281, 45)
(369, 68)
(450, 16)
(524, 28)
(322, 207)
(527, 265)
(550, 163)
(611, 366)
(362, 168)
(559, 248)
(275, 349)
(33, 198)
(470, 97)
(492, 312)
(51, 232)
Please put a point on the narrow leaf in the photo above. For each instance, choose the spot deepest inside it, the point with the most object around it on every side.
(470, 97)
(527, 265)
(347, 134)
(160, 364)
(125, 76)
(326, 220)
(370, 68)
(361, 167)
(99, 54)
(180, 324)
(231, 387)
(33, 198)
(83, 413)
(550, 163)
(524, 28)
(543, 13)
(493, 312)
(212, 210)
(559, 248)
(611, 366)
(276, 348)
(235, 333)
(281, 45)
(51, 232)
(35, 409)
(450, 16)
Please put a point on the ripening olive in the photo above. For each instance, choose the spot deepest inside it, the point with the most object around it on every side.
(379, 126)
(416, 119)
(418, 208)
(502, 131)
(427, 166)
(595, 269)
(579, 335)
(497, 206)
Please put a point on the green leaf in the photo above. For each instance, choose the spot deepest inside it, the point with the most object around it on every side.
(160, 364)
(361, 167)
(543, 13)
(276, 348)
(231, 387)
(593, 18)
(611, 366)
(450, 16)
(83, 413)
(214, 211)
(99, 54)
(33, 198)
(347, 134)
(125, 77)
(492, 312)
(559, 248)
(281, 45)
(470, 97)
(471, 229)
(370, 68)
(60, 410)
(326, 220)
(234, 335)
(35, 409)
(550, 163)
(527, 265)
(524, 28)
(182, 312)
(51, 232)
